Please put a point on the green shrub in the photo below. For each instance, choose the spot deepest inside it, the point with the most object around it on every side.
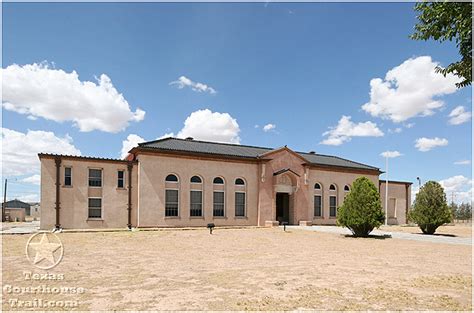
(430, 209)
(361, 211)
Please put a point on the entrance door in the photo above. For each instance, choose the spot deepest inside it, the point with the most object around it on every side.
(282, 207)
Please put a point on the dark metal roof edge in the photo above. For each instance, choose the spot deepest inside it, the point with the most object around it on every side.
(90, 158)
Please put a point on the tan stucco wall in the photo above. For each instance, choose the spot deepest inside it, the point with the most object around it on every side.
(153, 170)
(15, 214)
(397, 191)
(74, 199)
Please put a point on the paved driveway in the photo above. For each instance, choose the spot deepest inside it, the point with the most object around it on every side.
(397, 235)
(20, 228)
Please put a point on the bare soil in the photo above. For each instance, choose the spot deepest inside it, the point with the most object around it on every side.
(458, 230)
(248, 269)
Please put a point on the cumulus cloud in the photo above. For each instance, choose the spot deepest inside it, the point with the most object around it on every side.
(426, 144)
(459, 187)
(396, 130)
(411, 89)
(459, 116)
(183, 81)
(37, 90)
(20, 150)
(212, 126)
(391, 154)
(129, 143)
(346, 129)
(463, 162)
(269, 127)
(33, 179)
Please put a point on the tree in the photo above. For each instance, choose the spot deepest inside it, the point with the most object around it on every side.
(361, 211)
(443, 21)
(430, 209)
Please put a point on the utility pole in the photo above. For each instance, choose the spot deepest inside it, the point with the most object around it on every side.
(4, 201)
(386, 190)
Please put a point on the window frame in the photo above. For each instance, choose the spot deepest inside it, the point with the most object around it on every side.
(178, 203)
(123, 179)
(70, 176)
(244, 204)
(89, 208)
(198, 176)
(101, 177)
(214, 204)
(170, 181)
(335, 206)
(321, 214)
(243, 180)
(191, 203)
(218, 184)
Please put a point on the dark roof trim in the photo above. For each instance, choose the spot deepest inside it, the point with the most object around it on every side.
(191, 153)
(77, 157)
(284, 170)
(382, 181)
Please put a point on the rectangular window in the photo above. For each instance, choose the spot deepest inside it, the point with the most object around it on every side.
(219, 203)
(95, 208)
(171, 202)
(120, 179)
(332, 206)
(318, 206)
(240, 204)
(95, 178)
(196, 203)
(67, 176)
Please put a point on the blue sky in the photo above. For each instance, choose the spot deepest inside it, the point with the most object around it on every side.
(299, 67)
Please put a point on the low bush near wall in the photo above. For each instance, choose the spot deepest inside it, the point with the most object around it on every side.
(430, 209)
(361, 211)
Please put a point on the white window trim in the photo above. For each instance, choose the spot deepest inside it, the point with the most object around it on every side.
(245, 205)
(179, 202)
(64, 177)
(225, 206)
(101, 177)
(102, 211)
(124, 178)
(322, 204)
(202, 203)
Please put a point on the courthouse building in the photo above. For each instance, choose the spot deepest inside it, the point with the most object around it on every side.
(185, 182)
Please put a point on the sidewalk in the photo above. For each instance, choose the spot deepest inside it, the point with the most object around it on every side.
(397, 235)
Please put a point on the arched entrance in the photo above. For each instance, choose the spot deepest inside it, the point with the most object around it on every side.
(285, 185)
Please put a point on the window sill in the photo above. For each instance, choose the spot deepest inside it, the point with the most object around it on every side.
(95, 219)
(220, 217)
(241, 217)
(172, 217)
(197, 217)
(120, 188)
(95, 187)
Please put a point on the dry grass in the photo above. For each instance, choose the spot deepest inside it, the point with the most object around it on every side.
(252, 269)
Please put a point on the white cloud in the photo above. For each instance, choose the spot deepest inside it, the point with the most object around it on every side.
(53, 94)
(391, 154)
(426, 144)
(409, 125)
(183, 81)
(459, 116)
(411, 89)
(463, 162)
(129, 143)
(20, 150)
(459, 187)
(166, 135)
(396, 130)
(346, 129)
(212, 126)
(34, 179)
(269, 127)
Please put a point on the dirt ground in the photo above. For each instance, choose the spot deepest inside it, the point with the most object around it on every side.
(458, 230)
(248, 269)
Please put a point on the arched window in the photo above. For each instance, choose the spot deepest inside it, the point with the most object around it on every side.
(171, 195)
(171, 178)
(240, 197)
(218, 197)
(332, 200)
(347, 188)
(218, 181)
(318, 200)
(239, 182)
(196, 180)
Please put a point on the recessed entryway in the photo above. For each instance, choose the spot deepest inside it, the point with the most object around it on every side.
(283, 207)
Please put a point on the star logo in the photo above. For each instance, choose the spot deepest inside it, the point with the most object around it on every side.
(44, 250)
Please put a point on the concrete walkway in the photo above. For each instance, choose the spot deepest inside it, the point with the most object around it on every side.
(20, 228)
(397, 235)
